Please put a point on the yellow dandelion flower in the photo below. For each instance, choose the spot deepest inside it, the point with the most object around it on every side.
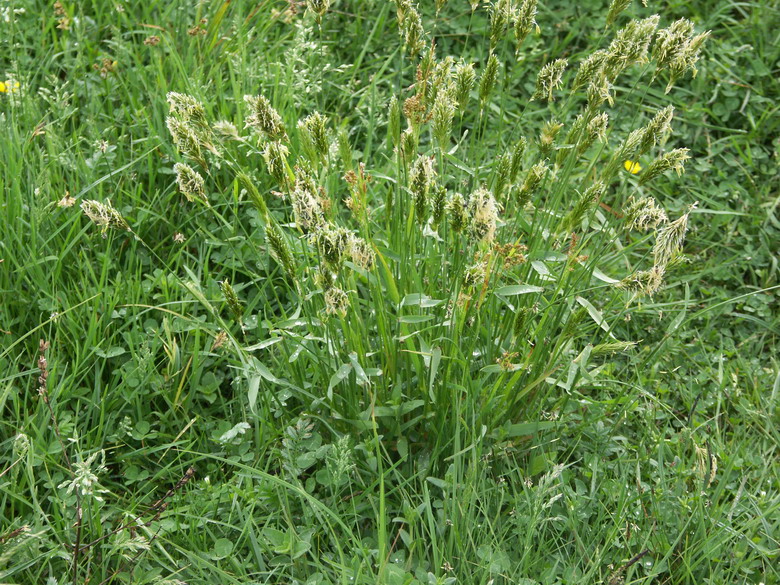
(632, 167)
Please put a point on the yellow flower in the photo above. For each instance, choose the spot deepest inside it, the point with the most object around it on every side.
(632, 167)
(9, 86)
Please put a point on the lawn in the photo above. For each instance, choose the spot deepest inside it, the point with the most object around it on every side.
(379, 291)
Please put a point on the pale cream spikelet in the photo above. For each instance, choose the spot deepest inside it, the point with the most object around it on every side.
(548, 79)
(441, 122)
(408, 144)
(670, 238)
(275, 156)
(413, 33)
(595, 129)
(533, 178)
(483, 211)
(457, 212)
(516, 164)
(104, 215)
(421, 178)
(657, 130)
(677, 49)
(465, 79)
(672, 160)
(185, 139)
(488, 80)
(307, 205)
(616, 7)
(671, 42)
(191, 183)
(187, 108)
(612, 347)
(524, 21)
(587, 200)
(474, 275)
(599, 91)
(225, 129)
(318, 8)
(333, 244)
(280, 249)
(631, 45)
(438, 205)
(231, 298)
(503, 169)
(314, 138)
(591, 67)
(500, 12)
(402, 9)
(336, 301)
(550, 130)
(361, 252)
(263, 117)
(643, 282)
(643, 214)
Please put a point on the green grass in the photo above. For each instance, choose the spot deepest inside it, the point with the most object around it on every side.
(438, 431)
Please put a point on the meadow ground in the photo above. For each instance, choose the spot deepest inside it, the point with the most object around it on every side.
(362, 292)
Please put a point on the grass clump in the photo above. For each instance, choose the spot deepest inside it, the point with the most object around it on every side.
(367, 307)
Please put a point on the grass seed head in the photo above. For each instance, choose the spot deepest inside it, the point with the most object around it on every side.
(443, 113)
(503, 170)
(524, 21)
(318, 8)
(457, 212)
(643, 282)
(644, 214)
(187, 108)
(191, 183)
(657, 130)
(438, 204)
(517, 158)
(314, 137)
(587, 200)
(631, 45)
(280, 249)
(421, 178)
(361, 252)
(672, 160)
(104, 216)
(231, 298)
(487, 82)
(549, 78)
(670, 238)
(185, 138)
(275, 156)
(483, 211)
(533, 179)
(615, 9)
(263, 117)
(333, 244)
(500, 12)
(465, 78)
(550, 130)
(336, 301)
(590, 68)
(413, 32)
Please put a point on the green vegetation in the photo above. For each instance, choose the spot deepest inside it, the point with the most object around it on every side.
(367, 291)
